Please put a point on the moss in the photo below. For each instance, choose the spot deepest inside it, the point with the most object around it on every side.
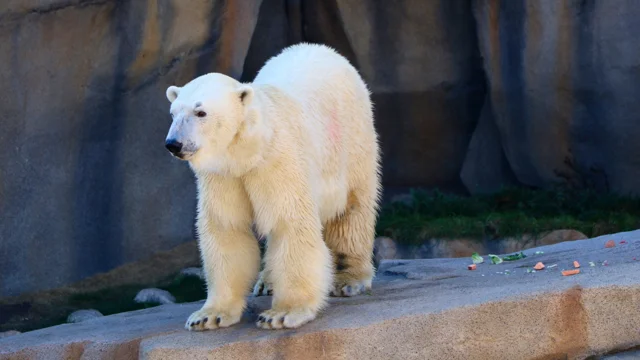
(511, 212)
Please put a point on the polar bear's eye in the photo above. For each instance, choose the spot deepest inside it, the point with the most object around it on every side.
(201, 113)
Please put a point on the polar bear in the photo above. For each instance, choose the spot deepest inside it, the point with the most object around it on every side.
(296, 155)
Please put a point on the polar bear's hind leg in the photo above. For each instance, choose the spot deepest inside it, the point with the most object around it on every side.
(350, 238)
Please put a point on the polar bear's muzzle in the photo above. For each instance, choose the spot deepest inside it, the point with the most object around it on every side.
(174, 147)
(179, 140)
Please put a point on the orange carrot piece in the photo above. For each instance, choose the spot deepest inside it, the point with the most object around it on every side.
(472, 267)
(539, 266)
(576, 264)
(609, 244)
(570, 272)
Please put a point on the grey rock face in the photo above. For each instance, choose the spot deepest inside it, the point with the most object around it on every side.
(563, 85)
(84, 118)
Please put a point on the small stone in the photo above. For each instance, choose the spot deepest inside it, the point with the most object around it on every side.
(153, 295)
(83, 315)
(384, 248)
(5, 334)
(193, 271)
(558, 236)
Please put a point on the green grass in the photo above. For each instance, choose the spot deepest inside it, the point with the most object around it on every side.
(511, 212)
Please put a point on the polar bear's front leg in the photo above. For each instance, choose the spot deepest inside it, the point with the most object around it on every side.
(300, 272)
(229, 251)
(297, 261)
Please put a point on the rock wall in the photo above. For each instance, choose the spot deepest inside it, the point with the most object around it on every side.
(470, 95)
(564, 82)
(86, 184)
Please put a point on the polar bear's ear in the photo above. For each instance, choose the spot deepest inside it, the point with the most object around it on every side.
(245, 92)
(172, 93)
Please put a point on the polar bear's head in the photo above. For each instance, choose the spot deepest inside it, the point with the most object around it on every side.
(208, 113)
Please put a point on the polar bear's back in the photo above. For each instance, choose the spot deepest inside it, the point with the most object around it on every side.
(337, 134)
(302, 66)
(327, 88)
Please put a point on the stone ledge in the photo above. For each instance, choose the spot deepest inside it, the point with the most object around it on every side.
(419, 309)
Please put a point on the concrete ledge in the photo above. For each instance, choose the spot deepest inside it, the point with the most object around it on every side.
(419, 309)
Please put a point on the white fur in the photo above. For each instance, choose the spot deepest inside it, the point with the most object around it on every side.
(296, 153)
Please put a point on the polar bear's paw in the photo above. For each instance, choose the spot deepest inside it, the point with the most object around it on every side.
(262, 286)
(209, 318)
(348, 288)
(277, 319)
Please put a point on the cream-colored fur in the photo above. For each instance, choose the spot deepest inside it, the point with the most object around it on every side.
(295, 153)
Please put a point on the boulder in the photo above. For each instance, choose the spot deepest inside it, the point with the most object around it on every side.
(558, 236)
(384, 248)
(193, 271)
(83, 315)
(156, 296)
(8, 333)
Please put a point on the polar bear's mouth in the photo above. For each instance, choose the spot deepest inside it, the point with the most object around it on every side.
(186, 156)
(178, 150)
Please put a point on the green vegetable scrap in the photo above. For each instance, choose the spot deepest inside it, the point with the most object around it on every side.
(539, 252)
(477, 259)
(514, 257)
(591, 263)
(495, 259)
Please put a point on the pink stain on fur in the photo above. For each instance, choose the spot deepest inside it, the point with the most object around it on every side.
(334, 127)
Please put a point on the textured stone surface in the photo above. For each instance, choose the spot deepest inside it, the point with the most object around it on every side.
(422, 309)
(83, 315)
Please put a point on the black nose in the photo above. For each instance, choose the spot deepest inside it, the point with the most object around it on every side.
(174, 146)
